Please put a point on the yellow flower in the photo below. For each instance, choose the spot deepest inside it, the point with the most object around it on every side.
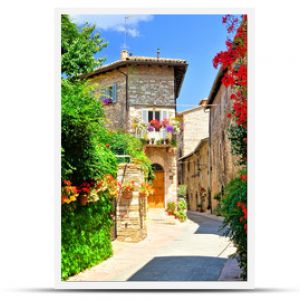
(72, 198)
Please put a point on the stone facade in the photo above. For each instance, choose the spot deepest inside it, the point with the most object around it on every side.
(151, 85)
(196, 177)
(195, 128)
(131, 213)
(116, 109)
(223, 166)
(144, 86)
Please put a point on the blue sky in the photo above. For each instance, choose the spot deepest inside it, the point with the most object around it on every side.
(195, 38)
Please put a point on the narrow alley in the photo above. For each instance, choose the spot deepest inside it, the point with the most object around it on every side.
(195, 250)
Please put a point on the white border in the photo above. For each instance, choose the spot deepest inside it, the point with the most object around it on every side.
(249, 284)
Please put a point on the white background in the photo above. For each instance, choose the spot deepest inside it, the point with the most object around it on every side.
(28, 162)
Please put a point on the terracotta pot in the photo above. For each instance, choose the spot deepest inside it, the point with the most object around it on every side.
(127, 195)
(83, 199)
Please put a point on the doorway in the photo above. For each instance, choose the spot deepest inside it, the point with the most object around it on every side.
(157, 200)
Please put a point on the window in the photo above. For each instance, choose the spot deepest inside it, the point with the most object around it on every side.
(149, 115)
(153, 115)
(109, 92)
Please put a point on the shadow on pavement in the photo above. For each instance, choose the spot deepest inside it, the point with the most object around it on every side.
(180, 268)
(207, 225)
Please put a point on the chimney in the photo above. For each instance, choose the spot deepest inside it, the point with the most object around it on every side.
(203, 102)
(124, 54)
(158, 53)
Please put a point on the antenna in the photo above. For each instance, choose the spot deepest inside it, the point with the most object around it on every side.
(125, 30)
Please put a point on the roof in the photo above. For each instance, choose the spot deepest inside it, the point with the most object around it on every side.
(180, 67)
(215, 87)
(202, 141)
(189, 110)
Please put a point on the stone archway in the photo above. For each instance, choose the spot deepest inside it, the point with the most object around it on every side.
(157, 200)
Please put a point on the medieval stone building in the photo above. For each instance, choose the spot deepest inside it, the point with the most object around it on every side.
(195, 175)
(136, 91)
(193, 156)
(222, 164)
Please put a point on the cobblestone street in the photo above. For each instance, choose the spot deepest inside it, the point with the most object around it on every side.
(192, 251)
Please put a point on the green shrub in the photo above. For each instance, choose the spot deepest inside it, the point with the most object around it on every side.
(233, 206)
(182, 191)
(84, 152)
(180, 212)
(171, 207)
(181, 205)
(124, 143)
(85, 235)
(180, 215)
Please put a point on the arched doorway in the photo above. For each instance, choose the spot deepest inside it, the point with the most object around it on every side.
(157, 200)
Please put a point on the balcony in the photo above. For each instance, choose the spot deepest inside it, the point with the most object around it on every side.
(157, 138)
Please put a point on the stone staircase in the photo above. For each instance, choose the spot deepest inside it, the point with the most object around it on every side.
(159, 216)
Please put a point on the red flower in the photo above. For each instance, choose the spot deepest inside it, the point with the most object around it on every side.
(107, 145)
(67, 183)
(229, 115)
(238, 204)
(243, 177)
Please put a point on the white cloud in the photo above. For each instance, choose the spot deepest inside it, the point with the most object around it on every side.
(114, 22)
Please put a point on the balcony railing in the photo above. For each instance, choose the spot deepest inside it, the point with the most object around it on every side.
(156, 137)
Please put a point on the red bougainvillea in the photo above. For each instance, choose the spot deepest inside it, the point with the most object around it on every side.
(234, 63)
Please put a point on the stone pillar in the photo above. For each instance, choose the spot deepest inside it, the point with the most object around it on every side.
(131, 213)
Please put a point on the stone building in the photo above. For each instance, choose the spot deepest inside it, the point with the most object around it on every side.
(195, 127)
(195, 175)
(136, 91)
(223, 165)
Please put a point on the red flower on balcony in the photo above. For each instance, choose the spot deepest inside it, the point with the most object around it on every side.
(156, 124)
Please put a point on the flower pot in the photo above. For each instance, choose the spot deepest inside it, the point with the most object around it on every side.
(83, 199)
(127, 195)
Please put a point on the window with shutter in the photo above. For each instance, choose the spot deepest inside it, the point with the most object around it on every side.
(164, 115)
(145, 116)
(114, 92)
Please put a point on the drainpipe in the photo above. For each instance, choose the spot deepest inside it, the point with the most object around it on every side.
(126, 98)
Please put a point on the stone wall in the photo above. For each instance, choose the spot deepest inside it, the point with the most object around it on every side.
(196, 176)
(151, 85)
(195, 128)
(223, 165)
(148, 86)
(131, 213)
(116, 112)
(166, 157)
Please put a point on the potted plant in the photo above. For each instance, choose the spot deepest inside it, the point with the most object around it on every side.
(69, 193)
(127, 189)
(84, 190)
(171, 208)
(146, 190)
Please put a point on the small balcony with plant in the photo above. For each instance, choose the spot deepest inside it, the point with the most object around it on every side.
(156, 132)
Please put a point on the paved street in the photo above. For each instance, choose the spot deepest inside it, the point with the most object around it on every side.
(192, 251)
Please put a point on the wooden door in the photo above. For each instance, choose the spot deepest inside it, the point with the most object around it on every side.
(157, 200)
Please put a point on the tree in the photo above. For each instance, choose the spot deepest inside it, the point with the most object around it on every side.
(78, 48)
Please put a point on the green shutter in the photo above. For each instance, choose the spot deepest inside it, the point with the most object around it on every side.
(114, 92)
